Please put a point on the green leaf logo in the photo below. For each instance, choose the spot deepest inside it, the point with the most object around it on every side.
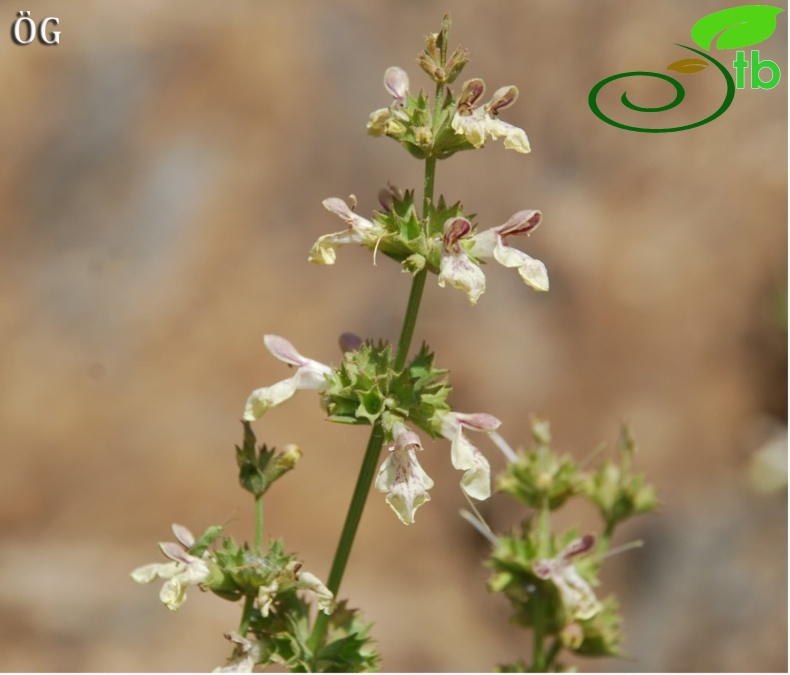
(736, 27)
(688, 65)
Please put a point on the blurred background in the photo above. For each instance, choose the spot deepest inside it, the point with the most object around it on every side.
(161, 178)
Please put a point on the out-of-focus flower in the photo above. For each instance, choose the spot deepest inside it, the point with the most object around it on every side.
(476, 481)
(182, 571)
(402, 477)
(247, 654)
(461, 250)
(577, 596)
(476, 124)
(309, 375)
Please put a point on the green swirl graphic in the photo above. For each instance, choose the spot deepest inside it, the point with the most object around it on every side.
(680, 94)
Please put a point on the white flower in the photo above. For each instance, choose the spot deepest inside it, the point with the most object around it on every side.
(309, 375)
(396, 82)
(402, 477)
(577, 596)
(458, 266)
(390, 121)
(476, 481)
(360, 231)
(183, 571)
(246, 655)
(293, 577)
(475, 124)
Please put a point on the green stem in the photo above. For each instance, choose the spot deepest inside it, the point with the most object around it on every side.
(544, 531)
(539, 660)
(246, 615)
(364, 482)
(539, 621)
(259, 524)
(410, 320)
(370, 461)
(552, 653)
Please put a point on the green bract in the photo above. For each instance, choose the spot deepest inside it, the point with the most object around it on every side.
(618, 493)
(366, 388)
(260, 467)
(409, 236)
(541, 476)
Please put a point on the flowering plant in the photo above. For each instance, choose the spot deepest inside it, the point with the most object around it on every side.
(549, 580)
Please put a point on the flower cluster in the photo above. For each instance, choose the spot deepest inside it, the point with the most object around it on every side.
(230, 571)
(443, 239)
(446, 241)
(366, 388)
(550, 579)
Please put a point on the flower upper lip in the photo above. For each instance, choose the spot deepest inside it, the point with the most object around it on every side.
(461, 248)
(309, 375)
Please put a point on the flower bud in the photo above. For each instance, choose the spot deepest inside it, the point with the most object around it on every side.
(423, 136)
(349, 342)
(572, 636)
(541, 431)
(394, 128)
(413, 264)
(378, 121)
(429, 65)
(455, 64)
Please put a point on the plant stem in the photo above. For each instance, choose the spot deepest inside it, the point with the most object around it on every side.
(539, 660)
(259, 524)
(410, 320)
(538, 657)
(370, 460)
(246, 615)
(552, 653)
(358, 499)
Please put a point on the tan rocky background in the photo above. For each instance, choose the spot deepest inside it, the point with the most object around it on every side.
(161, 178)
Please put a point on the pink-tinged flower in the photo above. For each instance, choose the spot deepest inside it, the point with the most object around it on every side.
(577, 595)
(292, 576)
(461, 250)
(396, 82)
(246, 655)
(309, 375)
(402, 477)
(182, 571)
(476, 124)
(456, 266)
(391, 121)
(476, 481)
(360, 231)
